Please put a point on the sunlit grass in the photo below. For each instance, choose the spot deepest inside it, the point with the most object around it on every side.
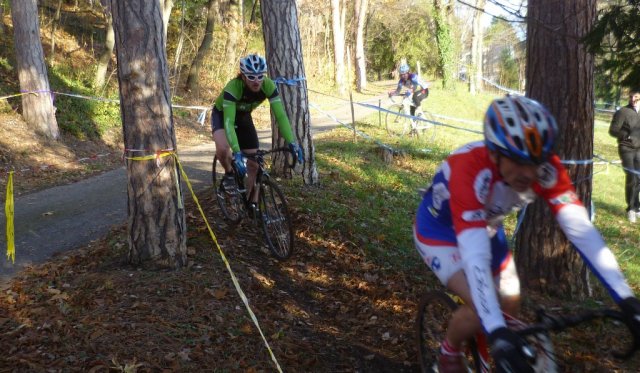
(372, 203)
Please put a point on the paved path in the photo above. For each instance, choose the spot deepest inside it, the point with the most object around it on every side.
(65, 217)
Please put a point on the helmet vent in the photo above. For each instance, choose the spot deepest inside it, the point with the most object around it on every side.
(511, 122)
(522, 111)
(518, 142)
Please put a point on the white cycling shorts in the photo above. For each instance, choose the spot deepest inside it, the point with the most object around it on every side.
(445, 261)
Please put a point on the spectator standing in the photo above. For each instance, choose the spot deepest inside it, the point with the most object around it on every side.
(625, 127)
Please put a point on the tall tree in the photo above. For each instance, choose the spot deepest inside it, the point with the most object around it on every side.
(560, 76)
(443, 10)
(361, 62)
(615, 39)
(105, 55)
(156, 219)
(231, 19)
(338, 14)
(37, 106)
(205, 46)
(284, 56)
(475, 71)
(167, 6)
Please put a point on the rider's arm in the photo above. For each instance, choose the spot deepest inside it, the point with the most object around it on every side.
(469, 186)
(475, 251)
(232, 93)
(617, 128)
(275, 101)
(574, 221)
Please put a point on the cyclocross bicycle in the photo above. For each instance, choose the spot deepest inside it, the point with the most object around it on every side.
(273, 212)
(435, 310)
(399, 122)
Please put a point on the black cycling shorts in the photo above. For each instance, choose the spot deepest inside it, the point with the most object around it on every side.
(245, 129)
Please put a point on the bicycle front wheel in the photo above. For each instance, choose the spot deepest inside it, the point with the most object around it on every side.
(276, 222)
(396, 123)
(426, 128)
(434, 312)
(227, 194)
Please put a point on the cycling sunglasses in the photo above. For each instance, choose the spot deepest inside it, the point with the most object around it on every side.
(254, 78)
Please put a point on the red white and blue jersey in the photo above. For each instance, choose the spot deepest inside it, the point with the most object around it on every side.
(467, 202)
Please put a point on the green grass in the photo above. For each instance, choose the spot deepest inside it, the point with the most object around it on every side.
(365, 200)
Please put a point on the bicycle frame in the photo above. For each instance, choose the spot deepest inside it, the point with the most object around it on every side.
(537, 332)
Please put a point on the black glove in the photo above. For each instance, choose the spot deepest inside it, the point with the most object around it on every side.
(631, 309)
(507, 352)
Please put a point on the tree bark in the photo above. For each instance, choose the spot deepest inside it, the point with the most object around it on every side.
(560, 76)
(443, 8)
(231, 17)
(167, 6)
(105, 56)
(37, 107)
(156, 219)
(361, 62)
(284, 56)
(205, 46)
(337, 25)
(475, 72)
(54, 27)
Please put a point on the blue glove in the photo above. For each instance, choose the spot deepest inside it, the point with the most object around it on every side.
(239, 162)
(508, 352)
(295, 149)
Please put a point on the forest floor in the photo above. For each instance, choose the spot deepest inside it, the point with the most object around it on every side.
(329, 308)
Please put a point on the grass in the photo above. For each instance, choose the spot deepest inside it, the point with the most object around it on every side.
(373, 202)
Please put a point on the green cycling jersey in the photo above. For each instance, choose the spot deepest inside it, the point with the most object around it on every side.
(236, 98)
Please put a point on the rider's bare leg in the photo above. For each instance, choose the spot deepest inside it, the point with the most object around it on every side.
(223, 151)
(252, 172)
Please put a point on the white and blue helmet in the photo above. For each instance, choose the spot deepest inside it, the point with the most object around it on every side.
(404, 68)
(253, 64)
(521, 129)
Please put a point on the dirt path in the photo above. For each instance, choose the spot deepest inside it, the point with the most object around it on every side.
(65, 217)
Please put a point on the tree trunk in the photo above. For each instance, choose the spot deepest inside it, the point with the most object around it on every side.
(167, 6)
(337, 25)
(361, 63)
(1, 20)
(105, 56)
(54, 27)
(284, 56)
(37, 107)
(232, 34)
(205, 46)
(560, 76)
(444, 41)
(475, 72)
(156, 219)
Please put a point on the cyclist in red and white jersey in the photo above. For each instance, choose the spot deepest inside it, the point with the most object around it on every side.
(458, 228)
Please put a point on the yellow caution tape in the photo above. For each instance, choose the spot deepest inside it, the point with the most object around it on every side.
(234, 279)
(8, 213)
(226, 263)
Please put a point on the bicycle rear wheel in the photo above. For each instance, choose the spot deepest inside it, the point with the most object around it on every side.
(396, 123)
(229, 198)
(276, 222)
(434, 312)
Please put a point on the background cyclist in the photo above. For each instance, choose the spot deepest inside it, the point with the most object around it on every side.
(415, 86)
(458, 228)
(231, 122)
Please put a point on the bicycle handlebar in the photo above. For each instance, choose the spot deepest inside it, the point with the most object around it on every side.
(557, 323)
(260, 153)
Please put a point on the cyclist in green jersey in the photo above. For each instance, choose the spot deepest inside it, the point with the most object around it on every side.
(231, 122)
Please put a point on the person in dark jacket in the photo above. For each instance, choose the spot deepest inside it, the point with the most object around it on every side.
(625, 126)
